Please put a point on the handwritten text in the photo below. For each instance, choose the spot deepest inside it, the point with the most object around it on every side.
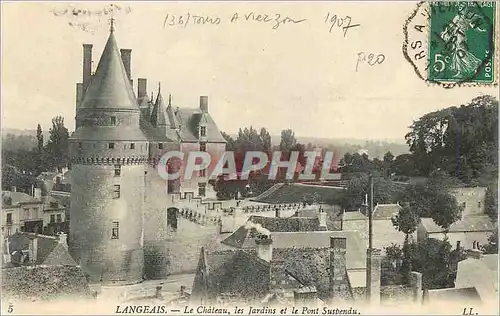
(334, 21)
(276, 20)
(370, 60)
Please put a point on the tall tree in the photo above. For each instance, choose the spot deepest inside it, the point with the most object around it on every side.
(265, 138)
(288, 140)
(57, 145)
(39, 138)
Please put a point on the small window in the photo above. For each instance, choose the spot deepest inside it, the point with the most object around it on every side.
(80, 145)
(203, 173)
(132, 146)
(111, 145)
(116, 191)
(203, 147)
(479, 204)
(9, 218)
(160, 145)
(59, 218)
(113, 120)
(203, 131)
(118, 170)
(115, 234)
(52, 218)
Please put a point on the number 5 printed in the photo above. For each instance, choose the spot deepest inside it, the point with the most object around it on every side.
(439, 62)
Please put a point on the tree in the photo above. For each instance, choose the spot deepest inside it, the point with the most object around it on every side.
(288, 140)
(39, 138)
(492, 246)
(57, 145)
(265, 138)
(230, 143)
(491, 201)
(358, 187)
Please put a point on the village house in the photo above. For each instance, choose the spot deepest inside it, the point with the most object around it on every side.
(35, 213)
(479, 271)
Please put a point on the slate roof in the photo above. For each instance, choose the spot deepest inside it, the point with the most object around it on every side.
(243, 236)
(189, 120)
(234, 271)
(385, 211)
(294, 193)
(17, 198)
(333, 214)
(49, 249)
(466, 224)
(356, 252)
(110, 87)
(480, 273)
(44, 282)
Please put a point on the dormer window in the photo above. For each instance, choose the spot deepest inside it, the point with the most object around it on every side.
(203, 131)
(113, 120)
(111, 145)
(160, 145)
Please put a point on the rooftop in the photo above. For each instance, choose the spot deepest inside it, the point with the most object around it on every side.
(295, 192)
(466, 224)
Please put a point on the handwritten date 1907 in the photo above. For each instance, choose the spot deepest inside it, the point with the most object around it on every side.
(335, 21)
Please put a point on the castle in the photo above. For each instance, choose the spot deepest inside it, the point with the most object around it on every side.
(119, 203)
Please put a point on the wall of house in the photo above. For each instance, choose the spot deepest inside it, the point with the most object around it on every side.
(466, 238)
(16, 223)
(93, 211)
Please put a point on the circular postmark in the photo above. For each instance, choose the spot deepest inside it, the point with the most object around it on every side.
(452, 42)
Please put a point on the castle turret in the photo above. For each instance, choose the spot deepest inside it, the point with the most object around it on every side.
(109, 155)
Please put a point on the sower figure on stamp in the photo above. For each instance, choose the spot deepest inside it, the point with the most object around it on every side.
(463, 62)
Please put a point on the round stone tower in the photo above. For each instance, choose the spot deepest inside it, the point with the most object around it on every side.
(109, 155)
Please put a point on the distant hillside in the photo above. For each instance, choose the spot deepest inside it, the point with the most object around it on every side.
(375, 148)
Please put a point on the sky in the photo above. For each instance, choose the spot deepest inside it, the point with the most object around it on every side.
(300, 75)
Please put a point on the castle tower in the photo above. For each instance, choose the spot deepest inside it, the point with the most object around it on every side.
(109, 155)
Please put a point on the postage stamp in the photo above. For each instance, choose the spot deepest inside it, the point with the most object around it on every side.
(453, 42)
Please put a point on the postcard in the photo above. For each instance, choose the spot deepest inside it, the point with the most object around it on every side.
(250, 158)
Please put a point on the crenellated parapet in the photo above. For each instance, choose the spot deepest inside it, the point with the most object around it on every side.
(109, 161)
(271, 207)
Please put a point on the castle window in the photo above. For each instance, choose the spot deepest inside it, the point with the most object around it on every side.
(113, 120)
(203, 131)
(80, 145)
(132, 146)
(479, 204)
(9, 218)
(111, 145)
(118, 170)
(203, 147)
(160, 145)
(52, 218)
(59, 218)
(116, 191)
(115, 230)
(203, 173)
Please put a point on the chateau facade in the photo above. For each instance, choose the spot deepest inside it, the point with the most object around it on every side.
(119, 203)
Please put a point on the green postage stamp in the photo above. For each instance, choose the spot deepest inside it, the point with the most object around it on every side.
(461, 41)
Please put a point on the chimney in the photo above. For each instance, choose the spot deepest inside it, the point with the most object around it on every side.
(277, 212)
(142, 85)
(416, 286)
(87, 65)
(204, 103)
(79, 94)
(37, 193)
(33, 249)
(13, 189)
(126, 54)
(264, 247)
(322, 220)
(63, 239)
(373, 258)
(338, 286)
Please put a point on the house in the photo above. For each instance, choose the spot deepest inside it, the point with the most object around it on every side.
(481, 272)
(472, 199)
(265, 272)
(471, 231)
(38, 214)
(245, 238)
(29, 249)
(463, 296)
(384, 232)
(21, 210)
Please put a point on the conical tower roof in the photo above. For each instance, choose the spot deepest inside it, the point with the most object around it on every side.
(110, 87)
